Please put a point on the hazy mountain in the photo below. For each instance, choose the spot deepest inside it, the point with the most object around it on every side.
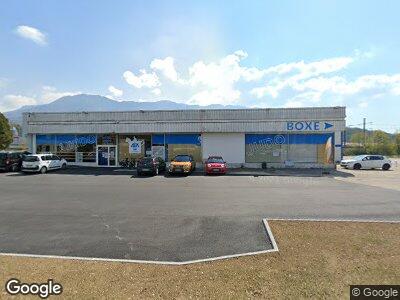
(84, 102)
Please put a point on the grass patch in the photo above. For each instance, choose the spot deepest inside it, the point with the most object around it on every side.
(316, 259)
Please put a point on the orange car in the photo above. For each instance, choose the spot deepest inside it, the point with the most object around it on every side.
(183, 164)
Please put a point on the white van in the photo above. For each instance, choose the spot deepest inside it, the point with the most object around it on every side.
(42, 163)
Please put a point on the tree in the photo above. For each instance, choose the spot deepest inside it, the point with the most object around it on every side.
(357, 138)
(6, 135)
(381, 144)
(397, 141)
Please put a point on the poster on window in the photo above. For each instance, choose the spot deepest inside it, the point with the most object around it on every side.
(158, 151)
(135, 145)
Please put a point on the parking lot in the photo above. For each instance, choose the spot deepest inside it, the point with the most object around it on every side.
(91, 212)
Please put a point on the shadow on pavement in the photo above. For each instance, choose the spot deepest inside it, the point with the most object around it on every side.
(100, 171)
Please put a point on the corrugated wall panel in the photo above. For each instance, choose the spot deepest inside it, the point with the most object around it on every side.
(186, 115)
(244, 120)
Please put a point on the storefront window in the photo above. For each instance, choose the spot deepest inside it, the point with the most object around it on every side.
(106, 139)
(158, 145)
(300, 148)
(45, 144)
(133, 147)
(176, 144)
(86, 148)
(74, 148)
(66, 147)
(266, 148)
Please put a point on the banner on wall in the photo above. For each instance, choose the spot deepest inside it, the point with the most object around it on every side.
(135, 145)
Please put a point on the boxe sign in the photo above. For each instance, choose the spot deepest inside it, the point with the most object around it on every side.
(307, 126)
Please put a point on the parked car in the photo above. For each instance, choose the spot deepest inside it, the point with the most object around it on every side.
(11, 160)
(183, 163)
(367, 162)
(153, 165)
(215, 165)
(42, 163)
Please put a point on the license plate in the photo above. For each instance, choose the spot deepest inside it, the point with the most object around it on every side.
(215, 170)
(145, 169)
(178, 170)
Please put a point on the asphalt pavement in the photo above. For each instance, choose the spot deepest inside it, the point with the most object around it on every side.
(105, 214)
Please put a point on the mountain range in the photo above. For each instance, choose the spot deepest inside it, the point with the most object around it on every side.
(85, 102)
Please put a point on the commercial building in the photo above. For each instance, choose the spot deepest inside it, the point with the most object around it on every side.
(277, 137)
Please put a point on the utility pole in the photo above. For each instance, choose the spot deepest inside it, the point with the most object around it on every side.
(365, 132)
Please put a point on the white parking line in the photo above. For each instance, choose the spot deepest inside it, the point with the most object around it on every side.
(264, 221)
(334, 220)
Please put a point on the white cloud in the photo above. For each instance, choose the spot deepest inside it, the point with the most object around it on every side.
(167, 67)
(293, 104)
(217, 80)
(341, 86)
(115, 92)
(32, 34)
(227, 80)
(47, 95)
(156, 92)
(11, 102)
(292, 75)
(144, 79)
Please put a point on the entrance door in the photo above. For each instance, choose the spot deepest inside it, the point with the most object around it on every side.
(106, 156)
(112, 156)
(102, 155)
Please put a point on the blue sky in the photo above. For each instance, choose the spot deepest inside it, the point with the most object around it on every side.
(252, 53)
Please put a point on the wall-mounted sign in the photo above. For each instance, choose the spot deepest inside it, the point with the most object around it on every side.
(307, 126)
(135, 145)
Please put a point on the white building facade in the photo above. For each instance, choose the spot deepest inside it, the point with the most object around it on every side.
(278, 137)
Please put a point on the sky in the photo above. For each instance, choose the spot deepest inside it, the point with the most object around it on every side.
(248, 53)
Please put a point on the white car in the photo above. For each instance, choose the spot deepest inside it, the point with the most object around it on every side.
(42, 163)
(367, 162)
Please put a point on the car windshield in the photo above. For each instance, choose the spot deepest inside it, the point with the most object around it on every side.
(182, 158)
(30, 158)
(215, 160)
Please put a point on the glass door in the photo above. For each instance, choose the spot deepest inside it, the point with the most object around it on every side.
(106, 156)
(102, 155)
(112, 156)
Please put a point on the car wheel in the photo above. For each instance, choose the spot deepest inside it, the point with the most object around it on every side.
(64, 166)
(386, 167)
(357, 167)
(43, 170)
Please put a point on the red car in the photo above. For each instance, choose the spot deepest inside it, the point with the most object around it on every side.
(215, 165)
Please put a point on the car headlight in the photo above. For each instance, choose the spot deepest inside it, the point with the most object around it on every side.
(209, 165)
